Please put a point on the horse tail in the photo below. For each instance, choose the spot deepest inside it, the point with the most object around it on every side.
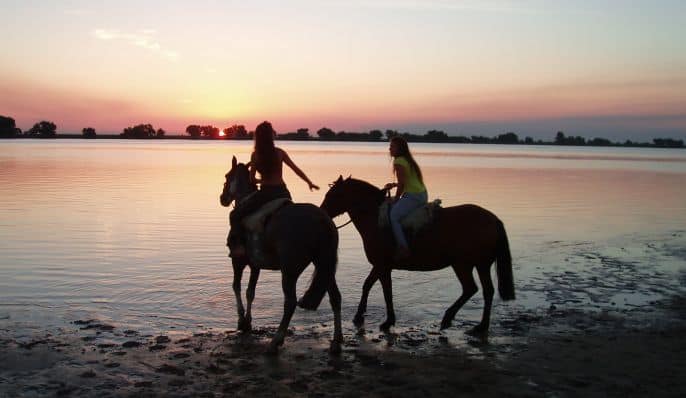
(324, 275)
(504, 265)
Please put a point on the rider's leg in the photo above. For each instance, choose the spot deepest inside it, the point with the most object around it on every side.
(401, 208)
(236, 239)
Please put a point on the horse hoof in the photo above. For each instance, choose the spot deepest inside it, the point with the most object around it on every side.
(273, 347)
(358, 321)
(335, 348)
(244, 326)
(386, 326)
(446, 324)
(478, 331)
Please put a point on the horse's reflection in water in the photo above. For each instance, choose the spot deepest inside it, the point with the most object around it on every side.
(295, 236)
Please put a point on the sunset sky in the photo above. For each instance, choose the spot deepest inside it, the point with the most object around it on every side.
(614, 69)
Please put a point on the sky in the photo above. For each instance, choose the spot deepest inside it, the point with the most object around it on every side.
(605, 68)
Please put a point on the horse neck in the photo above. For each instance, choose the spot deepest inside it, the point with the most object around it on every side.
(365, 218)
(245, 195)
(245, 182)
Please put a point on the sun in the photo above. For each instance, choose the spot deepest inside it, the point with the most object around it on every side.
(222, 133)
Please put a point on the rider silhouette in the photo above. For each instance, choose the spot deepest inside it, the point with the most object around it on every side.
(267, 159)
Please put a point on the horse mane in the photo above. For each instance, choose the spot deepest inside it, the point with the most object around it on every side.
(242, 171)
(364, 188)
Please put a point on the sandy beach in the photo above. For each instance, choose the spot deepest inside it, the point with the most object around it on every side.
(560, 353)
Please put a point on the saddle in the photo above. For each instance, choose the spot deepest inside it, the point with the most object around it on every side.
(414, 222)
(254, 227)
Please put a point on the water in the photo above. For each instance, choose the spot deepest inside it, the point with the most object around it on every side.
(132, 232)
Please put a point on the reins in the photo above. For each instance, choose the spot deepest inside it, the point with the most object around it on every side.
(388, 195)
(341, 226)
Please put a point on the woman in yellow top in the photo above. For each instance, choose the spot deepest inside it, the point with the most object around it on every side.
(410, 193)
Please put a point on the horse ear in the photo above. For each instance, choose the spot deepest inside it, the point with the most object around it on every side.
(349, 177)
(234, 162)
(340, 178)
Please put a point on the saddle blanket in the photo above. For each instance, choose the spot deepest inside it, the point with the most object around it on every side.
(413, 222)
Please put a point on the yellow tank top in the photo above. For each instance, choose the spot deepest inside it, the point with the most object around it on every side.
(412, 182)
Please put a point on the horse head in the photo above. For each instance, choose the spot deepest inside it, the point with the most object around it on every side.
(349, 194)
(237, 184)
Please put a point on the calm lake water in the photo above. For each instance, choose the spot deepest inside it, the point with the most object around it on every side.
(132, 232)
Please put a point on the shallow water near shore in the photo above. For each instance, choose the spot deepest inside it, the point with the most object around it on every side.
(132, 234)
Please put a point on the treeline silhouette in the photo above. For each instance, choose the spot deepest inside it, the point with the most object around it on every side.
(47, 129)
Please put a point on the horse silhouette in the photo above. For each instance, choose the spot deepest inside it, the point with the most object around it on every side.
(294, 236)
(462, 237)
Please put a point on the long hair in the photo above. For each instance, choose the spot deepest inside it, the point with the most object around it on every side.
(265, 150)
(404, 151)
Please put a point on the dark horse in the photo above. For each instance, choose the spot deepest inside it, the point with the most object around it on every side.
(463, 237)
(295, 236)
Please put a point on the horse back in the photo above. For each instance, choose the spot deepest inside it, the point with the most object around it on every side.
(301, 228)
(465, 233)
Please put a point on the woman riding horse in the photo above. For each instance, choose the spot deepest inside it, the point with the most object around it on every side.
(268, 160)
(295, 236)
(462, 237)
(410, 191)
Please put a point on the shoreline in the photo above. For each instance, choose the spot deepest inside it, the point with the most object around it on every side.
(554, 352)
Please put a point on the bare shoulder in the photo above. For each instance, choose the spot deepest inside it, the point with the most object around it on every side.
(281, 153)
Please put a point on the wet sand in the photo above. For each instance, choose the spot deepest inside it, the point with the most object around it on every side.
(552, 352)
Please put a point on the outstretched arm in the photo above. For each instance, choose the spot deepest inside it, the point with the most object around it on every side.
(296, 169)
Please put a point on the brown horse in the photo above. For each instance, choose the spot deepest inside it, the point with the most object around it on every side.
(462, 237)
(295, 236)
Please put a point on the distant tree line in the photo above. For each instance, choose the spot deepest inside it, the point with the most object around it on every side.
(235, 132)
(142, 131)
(561, 139)
(8, 127)
(43, 129)
(46, 129)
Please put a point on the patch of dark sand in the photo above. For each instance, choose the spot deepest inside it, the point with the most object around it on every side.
(643, 355)
(157, 347)
(162, 339)
(171, 369)
(553, 352)
(93, 324)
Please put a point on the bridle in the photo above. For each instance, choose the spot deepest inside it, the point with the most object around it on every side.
(239, 186)
(387, 193)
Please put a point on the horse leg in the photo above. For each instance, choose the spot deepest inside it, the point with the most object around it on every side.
(237, 276)
(335, 300)
(289, 304)
(487, 286)
(387, 286)
(250, 295)
(366, 287)
(464, 274)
